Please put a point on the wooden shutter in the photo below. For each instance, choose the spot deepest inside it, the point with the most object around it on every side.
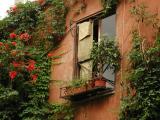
(85, 43)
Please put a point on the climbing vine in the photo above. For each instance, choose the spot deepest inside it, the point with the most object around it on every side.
(109, 6)
(27, 35)
(143, 100)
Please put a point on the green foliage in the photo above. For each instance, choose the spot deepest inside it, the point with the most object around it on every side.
(23, 19)
(62, 112)
(103, 54)
(9, 103)
(143, 102)
(145, 79)
(44, 23)
(58, 13)
(109, 6)
(78, 82)
(25, 97)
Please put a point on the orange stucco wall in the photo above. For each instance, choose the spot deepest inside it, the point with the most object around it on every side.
(65, 70)
(106, 108)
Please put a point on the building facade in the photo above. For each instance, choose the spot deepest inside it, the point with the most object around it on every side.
(82, 28)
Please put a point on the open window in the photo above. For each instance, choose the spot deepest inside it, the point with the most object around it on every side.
(108, 28)
(91, 31)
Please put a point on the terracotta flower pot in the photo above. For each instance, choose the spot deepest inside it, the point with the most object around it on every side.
(100, 83)
(90, 85)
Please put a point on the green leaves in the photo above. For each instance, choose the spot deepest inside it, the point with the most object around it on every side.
(145, 79)
(23, 99)
(105, 53)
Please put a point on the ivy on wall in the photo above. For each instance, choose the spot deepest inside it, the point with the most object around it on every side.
(109, 6)
(143, 100)
(29, 32)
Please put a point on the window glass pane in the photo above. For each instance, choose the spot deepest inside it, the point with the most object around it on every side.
(108, 26)
(109, 74)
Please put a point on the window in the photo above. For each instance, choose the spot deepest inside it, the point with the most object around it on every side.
(108, 28)
(89, 31)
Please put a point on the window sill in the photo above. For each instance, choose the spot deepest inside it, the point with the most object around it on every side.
(84, 94)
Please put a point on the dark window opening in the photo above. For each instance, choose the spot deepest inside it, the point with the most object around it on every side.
(96, 30)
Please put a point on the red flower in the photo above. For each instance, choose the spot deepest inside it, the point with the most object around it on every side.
(12, 74)
(16, 64)
(12, 35)
(14, 9)
(14, 43)
(31, 67)
(49, 55)
(25, 36)
(34, 77)
(1, 43)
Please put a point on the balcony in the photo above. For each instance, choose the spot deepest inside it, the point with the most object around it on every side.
(87, 92)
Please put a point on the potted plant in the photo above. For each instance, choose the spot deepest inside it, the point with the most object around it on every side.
(104, 55)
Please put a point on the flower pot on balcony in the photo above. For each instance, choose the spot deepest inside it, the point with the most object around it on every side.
(90, 85)
(100, 83)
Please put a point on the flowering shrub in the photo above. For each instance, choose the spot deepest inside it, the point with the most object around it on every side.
(25, 36)
(22, 71)
(15, 57)
(24, 67)
(12, 10)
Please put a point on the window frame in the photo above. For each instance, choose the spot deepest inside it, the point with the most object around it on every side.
(97, 16)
